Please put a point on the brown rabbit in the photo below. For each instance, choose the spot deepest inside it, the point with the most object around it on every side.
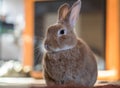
(68, 60)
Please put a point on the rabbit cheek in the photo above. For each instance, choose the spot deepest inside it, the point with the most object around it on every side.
(67, 41)
(62, 41)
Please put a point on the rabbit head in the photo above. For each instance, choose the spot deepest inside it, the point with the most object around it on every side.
(61, 36)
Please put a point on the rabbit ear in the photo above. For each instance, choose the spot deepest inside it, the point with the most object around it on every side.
(73, 14)
(62, 12)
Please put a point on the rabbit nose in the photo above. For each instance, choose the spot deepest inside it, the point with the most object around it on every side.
(47, 47)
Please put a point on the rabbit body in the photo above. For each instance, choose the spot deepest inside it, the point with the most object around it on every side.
(68, 59)
(74, 66)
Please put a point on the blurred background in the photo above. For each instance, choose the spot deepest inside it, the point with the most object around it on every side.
(90, 27)
(23, 24)
(12, 24)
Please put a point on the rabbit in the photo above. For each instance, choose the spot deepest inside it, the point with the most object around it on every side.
(68, 59)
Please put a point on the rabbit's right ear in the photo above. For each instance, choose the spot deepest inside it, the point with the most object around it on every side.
(73, 13)
(62, 12)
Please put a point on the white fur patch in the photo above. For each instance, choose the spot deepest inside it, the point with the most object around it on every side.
(64, 48)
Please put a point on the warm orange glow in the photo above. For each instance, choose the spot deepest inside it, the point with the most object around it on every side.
(28, 33)
(37, 74)
(107, 75)
(112, 42)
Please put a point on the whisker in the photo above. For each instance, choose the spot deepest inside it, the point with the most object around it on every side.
(37, 58)
(38, 50)
(38, 55)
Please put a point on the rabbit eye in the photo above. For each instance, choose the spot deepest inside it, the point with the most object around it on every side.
(61, 32)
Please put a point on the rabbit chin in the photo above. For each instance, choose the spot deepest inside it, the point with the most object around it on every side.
(64, 48)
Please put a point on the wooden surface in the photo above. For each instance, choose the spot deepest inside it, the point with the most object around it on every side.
(103, 86)
(35, 83)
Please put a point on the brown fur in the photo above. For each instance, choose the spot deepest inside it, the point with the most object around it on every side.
(80, 64)
(75, 65)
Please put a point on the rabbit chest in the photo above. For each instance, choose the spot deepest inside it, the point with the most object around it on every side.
(65, 65)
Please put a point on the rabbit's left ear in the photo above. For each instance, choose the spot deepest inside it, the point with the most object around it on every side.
(73, 14)
(62, 12)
